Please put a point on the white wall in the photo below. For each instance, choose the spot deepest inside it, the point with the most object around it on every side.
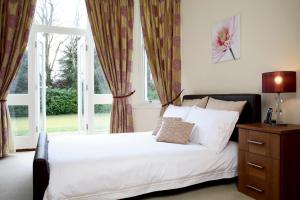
(270, 40)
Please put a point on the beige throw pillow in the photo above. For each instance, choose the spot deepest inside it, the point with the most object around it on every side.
(161, 120)
(201, 103)
(175, 132)
(226, 105)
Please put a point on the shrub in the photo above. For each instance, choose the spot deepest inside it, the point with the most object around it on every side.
(61, 101)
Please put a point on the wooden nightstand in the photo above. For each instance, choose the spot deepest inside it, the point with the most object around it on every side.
(269, 161)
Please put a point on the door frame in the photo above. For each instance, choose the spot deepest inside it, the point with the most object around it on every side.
(33, 40)
(32, 98)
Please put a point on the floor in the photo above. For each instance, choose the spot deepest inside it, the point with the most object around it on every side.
(16, 183)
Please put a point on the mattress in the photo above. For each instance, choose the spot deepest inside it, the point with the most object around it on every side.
(116, 166)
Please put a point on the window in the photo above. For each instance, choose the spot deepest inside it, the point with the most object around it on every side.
(17, 99)
(150, 90)
(19, 120)
(20, 83)
(102, 117)
(100, 84)
(102, 98)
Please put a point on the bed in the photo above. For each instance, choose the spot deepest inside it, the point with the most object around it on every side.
(126, 165)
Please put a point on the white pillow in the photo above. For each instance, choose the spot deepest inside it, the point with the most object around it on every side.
(213, 128)
(177, 111)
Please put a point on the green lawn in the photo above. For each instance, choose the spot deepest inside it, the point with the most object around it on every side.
(61, 123)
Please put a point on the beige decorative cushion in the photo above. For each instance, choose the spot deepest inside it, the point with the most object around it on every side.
(161, 120)
(201, 103)
(175, 132)
(226, 105)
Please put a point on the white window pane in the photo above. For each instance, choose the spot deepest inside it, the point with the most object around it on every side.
(20, 83)
(19, 120)
(102, 117)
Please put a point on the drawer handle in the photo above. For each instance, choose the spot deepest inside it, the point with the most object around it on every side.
(255, 165)
(255, 188)
(256, 142)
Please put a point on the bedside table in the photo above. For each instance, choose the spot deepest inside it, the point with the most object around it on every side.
(269, 161)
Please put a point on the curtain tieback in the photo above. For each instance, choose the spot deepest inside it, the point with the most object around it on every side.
(3, 100)
(172, 101)
(124, 96)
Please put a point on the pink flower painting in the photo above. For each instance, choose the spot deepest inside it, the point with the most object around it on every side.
(226, 40)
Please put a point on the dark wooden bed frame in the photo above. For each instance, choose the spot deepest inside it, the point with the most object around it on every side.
(41, 170)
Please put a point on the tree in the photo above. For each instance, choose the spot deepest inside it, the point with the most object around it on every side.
(47, 15)
(68, 62)
(20, 83)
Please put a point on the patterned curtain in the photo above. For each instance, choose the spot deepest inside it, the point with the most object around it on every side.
(15, 21)
(112, 26)
(161, 31)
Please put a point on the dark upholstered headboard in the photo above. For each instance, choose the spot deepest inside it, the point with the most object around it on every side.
(250, 114)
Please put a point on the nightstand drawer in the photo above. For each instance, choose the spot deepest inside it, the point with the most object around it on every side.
(258, 172)
(253, 187)
(260, 143)
(257, 166)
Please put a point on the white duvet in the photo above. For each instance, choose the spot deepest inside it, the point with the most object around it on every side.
(115, 166)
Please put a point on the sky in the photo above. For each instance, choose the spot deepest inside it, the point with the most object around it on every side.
(65, 12)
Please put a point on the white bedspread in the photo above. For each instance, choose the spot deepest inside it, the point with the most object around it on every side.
(115, 166)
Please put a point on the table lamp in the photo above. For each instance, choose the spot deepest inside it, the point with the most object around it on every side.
(279, 82)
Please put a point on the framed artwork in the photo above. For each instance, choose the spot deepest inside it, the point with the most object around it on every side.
(226, 40)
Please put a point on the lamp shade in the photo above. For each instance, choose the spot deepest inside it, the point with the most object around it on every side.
(279, 82)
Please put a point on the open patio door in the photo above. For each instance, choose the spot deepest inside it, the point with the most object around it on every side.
(41, 84)
(82, 86)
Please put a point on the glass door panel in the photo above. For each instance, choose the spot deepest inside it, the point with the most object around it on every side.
(19, 119)
(21, 105)
(82, 87)
(41, 89)
(102, 98)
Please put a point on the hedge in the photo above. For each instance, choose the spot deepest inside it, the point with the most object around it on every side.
(58, 101)
(61, 101)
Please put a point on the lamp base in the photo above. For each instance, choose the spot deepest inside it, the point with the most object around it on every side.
(278, 110)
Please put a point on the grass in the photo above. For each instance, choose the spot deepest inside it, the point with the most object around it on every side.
(60, 123)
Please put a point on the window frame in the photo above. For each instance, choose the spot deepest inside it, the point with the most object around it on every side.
(144, 74)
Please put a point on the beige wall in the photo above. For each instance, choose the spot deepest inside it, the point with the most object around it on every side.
(270, 40)
(145, 114)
